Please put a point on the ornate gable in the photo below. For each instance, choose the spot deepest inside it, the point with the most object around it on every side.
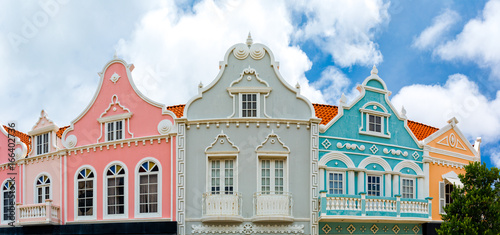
(272, 145)
(222, 144)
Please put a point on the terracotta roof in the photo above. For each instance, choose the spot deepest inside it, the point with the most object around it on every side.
(61, 131)
(177, 109)
(420, 130)
(24, 137)
(325, 112)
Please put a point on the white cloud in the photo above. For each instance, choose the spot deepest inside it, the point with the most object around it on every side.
(479, 40)
(432, 35)
(495, 157)
(333, 83)
(344, 28)
(166, 46)
(459, 97)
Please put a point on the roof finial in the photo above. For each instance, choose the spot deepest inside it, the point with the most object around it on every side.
(114, 56)
(403, 111)
(249, 39)
(343, 99)
(374, 70)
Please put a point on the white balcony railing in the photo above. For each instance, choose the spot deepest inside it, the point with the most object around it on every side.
(221, 206)
(41, 213)
(273, 206)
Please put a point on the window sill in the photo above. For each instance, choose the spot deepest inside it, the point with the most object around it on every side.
(233, 218)
(377, 134)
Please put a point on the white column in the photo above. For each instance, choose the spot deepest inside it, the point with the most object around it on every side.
(388, 187)
(420, 189)
(351, 182)
(395, 182)
(322, 179)
(361, 182)
(425, 186)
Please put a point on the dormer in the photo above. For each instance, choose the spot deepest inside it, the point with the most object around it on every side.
(43, 133)
(374, 120)
(249, 94)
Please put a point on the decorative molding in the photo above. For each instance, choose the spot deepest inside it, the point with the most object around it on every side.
(336, 156)
(409, 164)
(220, 141)
(241, 51)
(248, 229)
(377, 160)
(395, 152)
(350, 146)
(70, 141)
(257, 51)
(164, 126)
(114, 78)
(114, 101)
(415, 155)
(374, 149)
(452, 141)
(326, 144)
(272, 138)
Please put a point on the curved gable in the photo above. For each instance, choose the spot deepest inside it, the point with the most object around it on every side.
(116, 98)
(249, 69)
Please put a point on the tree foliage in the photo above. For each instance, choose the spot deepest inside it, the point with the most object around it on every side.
(476, 207)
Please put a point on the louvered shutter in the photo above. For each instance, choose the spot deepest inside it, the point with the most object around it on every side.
(442, 201)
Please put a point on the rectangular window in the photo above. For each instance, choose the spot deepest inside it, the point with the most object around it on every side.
(42, 144)
(335, 183)
(116, 195)
(148, 194)
(222, 176)
(249, 105)
(85, 197)
(114, 130)
(374, 123)
(373, 185)
(408, 188)
(272, 176)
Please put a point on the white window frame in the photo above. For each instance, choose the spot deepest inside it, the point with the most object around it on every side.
(344, 191)
(114, 130)
(240, 96)
(137, 208)
(105, 192)
(35, 188)
(42, 144)
(222, 159)
(272, 185)
(382, 122)
(3, 221)
(413, 192)
(94, 196)
(381, 184)
(442, 196)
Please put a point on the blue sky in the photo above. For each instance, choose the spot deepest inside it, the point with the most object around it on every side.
(439, 58)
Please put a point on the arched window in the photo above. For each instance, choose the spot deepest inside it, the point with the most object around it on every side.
(85, 182)
(43, 188)
(9, 195)
(148, 187)
(115, 177)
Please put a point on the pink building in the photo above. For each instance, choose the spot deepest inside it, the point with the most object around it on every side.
(112, 169)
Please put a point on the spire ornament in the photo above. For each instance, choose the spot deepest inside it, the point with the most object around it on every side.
(249, 39)
(374, 70)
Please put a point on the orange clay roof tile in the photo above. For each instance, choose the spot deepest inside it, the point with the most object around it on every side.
(327, 112)
(178, 110)
(61, 131)
(26, 139)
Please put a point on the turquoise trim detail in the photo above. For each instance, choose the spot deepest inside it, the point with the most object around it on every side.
(374, 167)
(408, 171)
(336, 164)
(376, 84)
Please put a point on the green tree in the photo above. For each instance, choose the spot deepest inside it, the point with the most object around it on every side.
(476, 207)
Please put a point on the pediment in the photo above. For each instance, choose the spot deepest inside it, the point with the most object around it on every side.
(272, 144)
(222, 144)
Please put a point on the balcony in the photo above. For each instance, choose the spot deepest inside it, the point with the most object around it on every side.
(42, 213)
(272, 206)
(362, 207)
(221, 206)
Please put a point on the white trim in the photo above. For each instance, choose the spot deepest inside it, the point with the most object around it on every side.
(105, 192)
(240, 104)
(35, 187)
(35, 147)
(452, 154)
(377, 160)
(336, 156)
(94, 196)
(44, 129)
(452, 124)
(117, 117)
(249, 89)
(137, 213)
(410, 164)
(381, 183)
(369, 142)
